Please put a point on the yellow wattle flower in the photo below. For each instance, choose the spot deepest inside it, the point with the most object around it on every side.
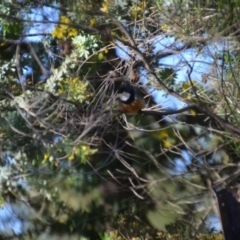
(71, 157)
(65, 19)
(193, 112)
(46, 156)
(93, 22)
(186, 86)
(165, 27)
(104, 8)
(136, 12)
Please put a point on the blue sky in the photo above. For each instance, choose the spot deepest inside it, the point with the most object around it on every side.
(37, 18)
(202, 63)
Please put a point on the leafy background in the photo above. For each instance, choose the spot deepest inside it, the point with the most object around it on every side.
(72, 165)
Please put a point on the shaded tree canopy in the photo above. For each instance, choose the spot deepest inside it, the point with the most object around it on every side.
(73, 165)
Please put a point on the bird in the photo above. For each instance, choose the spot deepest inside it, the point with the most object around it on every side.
(130, 99)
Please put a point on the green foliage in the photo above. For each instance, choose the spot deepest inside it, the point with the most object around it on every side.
(7, 69)
(9, 29)
(167, 76)
(183, 230)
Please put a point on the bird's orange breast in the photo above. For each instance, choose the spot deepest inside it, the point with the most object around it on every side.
(134, 107)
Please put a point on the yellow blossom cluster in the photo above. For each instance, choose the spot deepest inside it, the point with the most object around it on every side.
(115, 235)
(46, 156)
(167, 137)
(165, 27)
(136, 12)
(82, 152)
(92, 22)
(105, 6)
(63, 30)
(75, 89)
(187, 89)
